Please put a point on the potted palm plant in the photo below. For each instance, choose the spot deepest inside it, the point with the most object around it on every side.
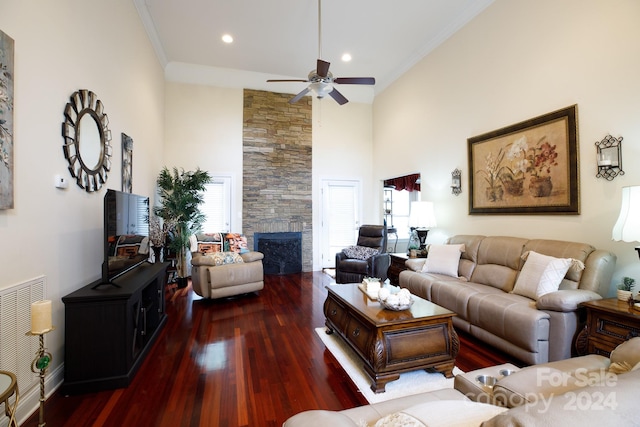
(180, 199)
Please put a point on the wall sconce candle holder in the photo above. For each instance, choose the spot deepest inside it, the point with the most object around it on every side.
(456, 182)
(609, 157)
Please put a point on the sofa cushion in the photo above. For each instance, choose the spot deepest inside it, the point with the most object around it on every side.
(541, 274)
(359, 252)
(511, 317)
(454, 295)
(443, 259)
(420, 284)
(498, 262)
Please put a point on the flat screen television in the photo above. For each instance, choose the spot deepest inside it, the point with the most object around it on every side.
(126, 233)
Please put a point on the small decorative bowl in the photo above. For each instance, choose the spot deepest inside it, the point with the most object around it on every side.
(396, 307)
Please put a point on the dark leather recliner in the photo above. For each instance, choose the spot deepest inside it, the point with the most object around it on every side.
(349, 270)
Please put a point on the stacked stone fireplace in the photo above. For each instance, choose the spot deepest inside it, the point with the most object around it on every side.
(277, 179)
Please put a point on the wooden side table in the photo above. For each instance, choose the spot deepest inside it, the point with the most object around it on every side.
(9, 387)
(610, 322)
(396, 266)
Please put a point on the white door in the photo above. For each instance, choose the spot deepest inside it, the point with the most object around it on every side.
(340, 218)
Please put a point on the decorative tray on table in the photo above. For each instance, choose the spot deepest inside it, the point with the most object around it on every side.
(370, 286)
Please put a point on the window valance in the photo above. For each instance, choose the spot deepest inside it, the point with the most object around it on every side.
(407, 182)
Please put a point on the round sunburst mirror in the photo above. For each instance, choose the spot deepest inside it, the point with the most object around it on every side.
(87, 140)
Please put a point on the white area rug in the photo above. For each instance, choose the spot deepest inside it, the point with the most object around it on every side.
(412, 382)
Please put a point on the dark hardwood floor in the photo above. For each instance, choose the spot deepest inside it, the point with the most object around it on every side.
(253, 360)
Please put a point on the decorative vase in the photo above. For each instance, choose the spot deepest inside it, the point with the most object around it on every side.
(182, 282)
(494, 193)
(157, 254)
(540, 186)
(624, 295)
(414, 243)
(513, 186)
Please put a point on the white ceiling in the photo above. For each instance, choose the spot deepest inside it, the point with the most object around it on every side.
(279, 38)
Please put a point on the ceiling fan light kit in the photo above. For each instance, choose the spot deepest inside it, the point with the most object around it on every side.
(321, 80)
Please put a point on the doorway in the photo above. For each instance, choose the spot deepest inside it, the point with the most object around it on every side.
(340, 218)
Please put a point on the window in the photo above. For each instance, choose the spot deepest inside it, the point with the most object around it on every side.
(400, 211)
(217, 205)
(398, 194)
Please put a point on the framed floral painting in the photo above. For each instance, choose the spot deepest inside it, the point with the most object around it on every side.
(526, 168)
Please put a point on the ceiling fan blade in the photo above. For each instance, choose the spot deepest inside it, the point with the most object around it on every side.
(340, 99)
(355, 80)
(291, 80)
(299, 96)
(322, 68)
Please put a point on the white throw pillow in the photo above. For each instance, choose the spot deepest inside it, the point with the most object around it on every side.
(442, 413)
(540, 275)
(443, 259)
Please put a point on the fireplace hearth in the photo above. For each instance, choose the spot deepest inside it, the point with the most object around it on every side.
(282, 252)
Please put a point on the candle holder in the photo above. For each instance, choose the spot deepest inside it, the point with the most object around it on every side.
(39, 366)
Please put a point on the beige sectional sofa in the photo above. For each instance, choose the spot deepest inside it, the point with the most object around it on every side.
(584, 391)
(534, 330)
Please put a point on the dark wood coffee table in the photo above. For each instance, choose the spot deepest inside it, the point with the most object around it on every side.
(391, 342)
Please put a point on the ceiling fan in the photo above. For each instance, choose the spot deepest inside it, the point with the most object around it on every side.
(321, 80)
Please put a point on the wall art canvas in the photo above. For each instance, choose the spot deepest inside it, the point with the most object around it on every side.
(526, 168)
(6, 121)
(127, 163)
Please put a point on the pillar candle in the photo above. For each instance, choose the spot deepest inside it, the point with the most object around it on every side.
(41, 317)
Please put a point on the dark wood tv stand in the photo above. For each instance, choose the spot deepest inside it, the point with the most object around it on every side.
(109, 330)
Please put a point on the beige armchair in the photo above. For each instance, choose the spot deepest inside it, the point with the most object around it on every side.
(213, 279)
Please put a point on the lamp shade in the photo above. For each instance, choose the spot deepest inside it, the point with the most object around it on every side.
(422, 215)
(627, 228)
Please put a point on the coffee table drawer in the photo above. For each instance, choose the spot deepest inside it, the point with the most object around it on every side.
(359, 335)
(336, 314)
(413, 345)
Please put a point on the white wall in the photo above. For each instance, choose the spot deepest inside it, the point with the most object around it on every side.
(203, 128)
(60, 47)
(517, 60)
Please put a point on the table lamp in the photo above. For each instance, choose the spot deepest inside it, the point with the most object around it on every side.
(421, 219)
(627, 227)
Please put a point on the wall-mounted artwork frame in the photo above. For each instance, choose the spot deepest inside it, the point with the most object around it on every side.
(6, 121)
(87, 140)
(127, 163)
(530, 167)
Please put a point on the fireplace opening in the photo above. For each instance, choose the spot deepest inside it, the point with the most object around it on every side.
(282, 252)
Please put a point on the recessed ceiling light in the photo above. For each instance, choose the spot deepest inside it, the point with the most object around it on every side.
(227, 38)
(346, 57)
